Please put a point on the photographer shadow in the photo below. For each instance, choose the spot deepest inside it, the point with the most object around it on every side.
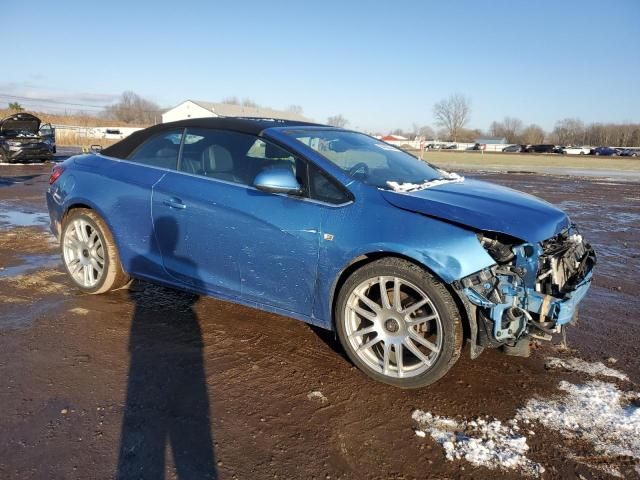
(167, 402)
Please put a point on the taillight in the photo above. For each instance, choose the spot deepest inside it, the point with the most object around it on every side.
(55, 173)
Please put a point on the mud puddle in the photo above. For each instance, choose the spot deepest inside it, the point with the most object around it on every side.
(11, 216)
(30, 263)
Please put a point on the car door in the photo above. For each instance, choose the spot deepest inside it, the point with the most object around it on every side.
(238, 241)
(125, 196)
(47, 132)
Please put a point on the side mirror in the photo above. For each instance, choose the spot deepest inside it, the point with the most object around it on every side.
(277, 180)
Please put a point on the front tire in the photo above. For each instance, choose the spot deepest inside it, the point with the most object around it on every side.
(398, 323)
(89, 253)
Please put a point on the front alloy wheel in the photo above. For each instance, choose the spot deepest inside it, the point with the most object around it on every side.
(398, 323)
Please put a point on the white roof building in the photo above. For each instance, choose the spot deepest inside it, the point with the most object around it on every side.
(198, 109)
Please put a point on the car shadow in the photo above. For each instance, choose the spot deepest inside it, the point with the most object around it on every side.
(167, 400)
(330, 339)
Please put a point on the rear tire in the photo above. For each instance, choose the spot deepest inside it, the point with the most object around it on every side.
(3, 157)
(410, 335)
(89, 253)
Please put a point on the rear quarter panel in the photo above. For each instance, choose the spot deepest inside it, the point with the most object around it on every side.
(120, 192)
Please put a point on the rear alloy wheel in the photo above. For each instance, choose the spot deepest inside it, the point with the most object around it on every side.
(89, 253)
(398, 323)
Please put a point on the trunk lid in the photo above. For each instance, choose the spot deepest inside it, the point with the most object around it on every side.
(20, 125)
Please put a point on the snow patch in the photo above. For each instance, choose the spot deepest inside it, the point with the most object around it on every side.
(407, 187)
(481, 442)
(596, 411)
(317, 396)
(579, 365)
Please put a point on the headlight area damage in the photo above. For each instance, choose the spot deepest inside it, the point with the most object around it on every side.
(533, 291)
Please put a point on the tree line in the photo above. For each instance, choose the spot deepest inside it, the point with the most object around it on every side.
(453, 113)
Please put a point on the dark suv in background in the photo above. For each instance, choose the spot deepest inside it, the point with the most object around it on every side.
(24, 138)
(542, 149)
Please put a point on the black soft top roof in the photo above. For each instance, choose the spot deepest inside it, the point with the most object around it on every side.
(253, 126)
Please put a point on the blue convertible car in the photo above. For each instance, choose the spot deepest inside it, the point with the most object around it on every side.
(403, 260)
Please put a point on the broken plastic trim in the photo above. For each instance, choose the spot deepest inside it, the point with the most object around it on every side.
(509, 299)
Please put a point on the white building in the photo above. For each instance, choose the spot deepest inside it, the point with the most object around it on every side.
(198, 109)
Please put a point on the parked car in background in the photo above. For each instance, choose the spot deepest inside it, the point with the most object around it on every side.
(329, 226)
(605, 151)
(514, 149)
(542, 148)
(576, 150)
(629, 152)
(23, 138)
(452, 146)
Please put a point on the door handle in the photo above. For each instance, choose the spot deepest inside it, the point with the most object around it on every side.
(175, 203)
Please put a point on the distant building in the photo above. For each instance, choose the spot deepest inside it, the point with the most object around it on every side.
(393, 138)
(490, 141)
(198, 109)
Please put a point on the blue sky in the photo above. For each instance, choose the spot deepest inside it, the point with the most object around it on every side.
(381, 64)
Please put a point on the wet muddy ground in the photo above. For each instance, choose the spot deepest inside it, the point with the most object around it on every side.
(148, 380)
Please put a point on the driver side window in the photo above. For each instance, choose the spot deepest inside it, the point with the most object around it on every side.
(232, 156)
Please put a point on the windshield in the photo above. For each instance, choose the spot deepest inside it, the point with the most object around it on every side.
(367, 159)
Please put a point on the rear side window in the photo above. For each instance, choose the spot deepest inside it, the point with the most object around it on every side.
(161, 150)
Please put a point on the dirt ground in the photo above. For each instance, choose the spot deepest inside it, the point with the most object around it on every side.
(147, 381)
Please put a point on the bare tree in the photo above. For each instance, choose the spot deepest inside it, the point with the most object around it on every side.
(132, 108)
(248, 102)
(426, 132)
(468, 136)
(337, 121)
(231, 100)
(453, 114)
(532, 134)
(569, 131)
(297, 109)
(510, 128)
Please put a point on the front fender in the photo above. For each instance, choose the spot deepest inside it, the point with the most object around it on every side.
(448, 251)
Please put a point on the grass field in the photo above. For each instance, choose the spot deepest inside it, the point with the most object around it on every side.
(527, 161)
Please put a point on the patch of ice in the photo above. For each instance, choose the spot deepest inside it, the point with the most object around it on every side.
(480, 442)
(596, 411)
(317, 396)
(578, 365)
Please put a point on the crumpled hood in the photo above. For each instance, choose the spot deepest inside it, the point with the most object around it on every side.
(20, 122)
(485, 206)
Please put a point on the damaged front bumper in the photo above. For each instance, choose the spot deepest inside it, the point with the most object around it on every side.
(533, 290)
